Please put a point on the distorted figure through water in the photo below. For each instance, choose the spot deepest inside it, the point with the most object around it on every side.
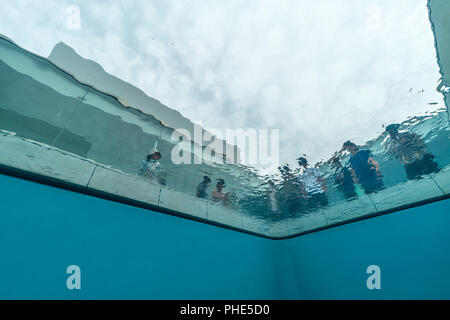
(365, 170)
(343, 179)
(151, 167)
(291, 199)
(273, 196)
(313, 185)
(410, 149)
(219, 194)
(202, 188)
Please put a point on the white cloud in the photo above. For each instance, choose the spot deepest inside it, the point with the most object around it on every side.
(322, 71)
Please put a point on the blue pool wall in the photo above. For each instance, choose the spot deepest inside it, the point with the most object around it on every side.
(411, 247)
(130, 253)
(123, 252)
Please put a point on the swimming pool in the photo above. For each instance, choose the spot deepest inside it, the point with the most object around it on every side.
(67, 127)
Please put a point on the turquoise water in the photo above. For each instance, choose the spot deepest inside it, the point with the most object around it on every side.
(58, 130)
(127, 253)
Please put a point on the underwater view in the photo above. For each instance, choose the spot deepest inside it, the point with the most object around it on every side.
(196, 154)
(63, 117)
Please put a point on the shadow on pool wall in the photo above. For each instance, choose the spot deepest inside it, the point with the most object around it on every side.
(125, 253)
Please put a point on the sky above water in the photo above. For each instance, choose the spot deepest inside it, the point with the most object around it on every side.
(321, 71)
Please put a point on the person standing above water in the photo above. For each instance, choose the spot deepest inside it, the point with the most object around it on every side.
(343, 179)
(410, 149)
(219, 194)
(151, 167)
(273, 196)
(365, 170)
(313, 185)
(201, 188)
